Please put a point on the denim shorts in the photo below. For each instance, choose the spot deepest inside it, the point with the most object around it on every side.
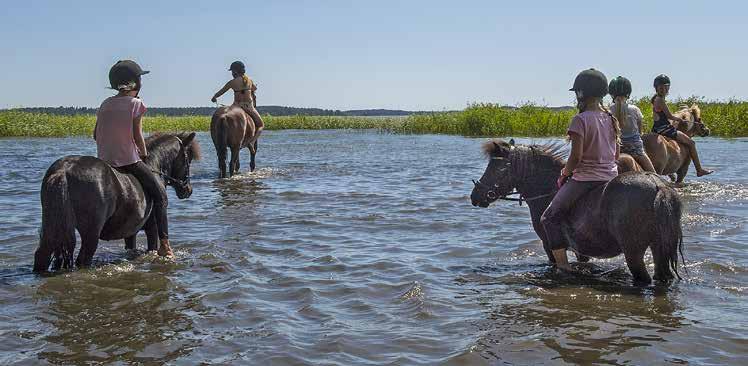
(632, 146)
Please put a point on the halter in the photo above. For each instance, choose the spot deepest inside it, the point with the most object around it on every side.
(171, 181)
(492, 193)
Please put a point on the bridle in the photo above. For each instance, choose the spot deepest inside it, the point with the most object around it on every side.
(492, 191)
(174, 182)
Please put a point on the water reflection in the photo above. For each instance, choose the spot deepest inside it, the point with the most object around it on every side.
(116, 313)
(537, 316)
(238, 191)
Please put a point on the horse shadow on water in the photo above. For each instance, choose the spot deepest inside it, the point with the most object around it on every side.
(82, 310)
(532, 314)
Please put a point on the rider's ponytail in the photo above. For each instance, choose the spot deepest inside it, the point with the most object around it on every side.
(621, 108)
(613, 121)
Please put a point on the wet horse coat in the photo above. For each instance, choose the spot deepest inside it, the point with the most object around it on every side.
(627, 215)
(232, 128)
(86, 194)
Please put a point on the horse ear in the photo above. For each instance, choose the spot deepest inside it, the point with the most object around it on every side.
(188, 140)
(511, 142)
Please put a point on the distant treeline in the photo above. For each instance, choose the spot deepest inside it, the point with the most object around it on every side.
(207, 111)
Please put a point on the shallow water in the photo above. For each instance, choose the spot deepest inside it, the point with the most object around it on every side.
(356, 247)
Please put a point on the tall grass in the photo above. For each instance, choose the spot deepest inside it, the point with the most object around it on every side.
(18, 124)
(725, 119)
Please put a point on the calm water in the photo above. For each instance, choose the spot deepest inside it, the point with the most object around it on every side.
(362, 248)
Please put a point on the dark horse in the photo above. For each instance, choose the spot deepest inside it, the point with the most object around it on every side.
(86, 194)
(231, 127)
(628, 214)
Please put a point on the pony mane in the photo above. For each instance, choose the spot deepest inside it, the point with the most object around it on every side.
(156, 139)
(554, 150)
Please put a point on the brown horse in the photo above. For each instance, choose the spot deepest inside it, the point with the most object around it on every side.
(668, 156)
(231, 127)
(627, 215)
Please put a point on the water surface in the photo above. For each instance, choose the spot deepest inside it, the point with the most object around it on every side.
(356, 247)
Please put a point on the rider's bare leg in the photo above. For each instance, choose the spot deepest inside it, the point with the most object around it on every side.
(562, 261)
(684, 139)
(259, 124)
(645, 163)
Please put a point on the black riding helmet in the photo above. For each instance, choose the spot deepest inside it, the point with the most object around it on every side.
(125, 71)
(661, 79)
(237, 67)
(620, 87)
(591, 83)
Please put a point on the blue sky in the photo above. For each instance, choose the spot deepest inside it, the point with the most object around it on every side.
(417, 55)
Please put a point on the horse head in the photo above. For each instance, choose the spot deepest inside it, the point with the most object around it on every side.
(174, 153)
(496, 181)
(694, 126)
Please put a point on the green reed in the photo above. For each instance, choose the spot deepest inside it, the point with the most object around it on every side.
(24, 124)
(725, 119)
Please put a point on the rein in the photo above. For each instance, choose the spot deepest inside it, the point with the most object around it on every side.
(492, 194)
(523, 198)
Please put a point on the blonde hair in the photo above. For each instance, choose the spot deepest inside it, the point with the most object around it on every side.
(582, 106)
(246, 80)
(613, 121)
(621, 108)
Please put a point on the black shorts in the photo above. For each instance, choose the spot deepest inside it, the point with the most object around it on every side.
(667, 131)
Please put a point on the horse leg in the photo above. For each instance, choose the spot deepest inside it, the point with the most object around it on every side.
(151, 233)
(222, 162)
(57, 260)
(252, 152)
(130, 242)
(635, 262)
(234, 163)
(682, 173)
(549, 253)
(89, 243)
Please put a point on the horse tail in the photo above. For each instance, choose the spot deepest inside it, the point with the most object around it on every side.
(668, 210)
(222, 139)
(57, 235)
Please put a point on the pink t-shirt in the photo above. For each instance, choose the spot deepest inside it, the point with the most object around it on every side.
(599, 149)
(114, 138)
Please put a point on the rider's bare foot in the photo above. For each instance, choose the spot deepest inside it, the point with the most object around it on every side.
(564, 269)
(164, 249)
(704, 172)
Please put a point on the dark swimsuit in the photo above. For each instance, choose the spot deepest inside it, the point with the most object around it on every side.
(663, 127)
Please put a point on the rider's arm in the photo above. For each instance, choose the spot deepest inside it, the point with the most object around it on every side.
(137, 135)
(577, 146)
(220, 92)
(254, 96)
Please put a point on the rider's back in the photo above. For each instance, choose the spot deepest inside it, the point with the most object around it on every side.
(114, 130)
(598, 161)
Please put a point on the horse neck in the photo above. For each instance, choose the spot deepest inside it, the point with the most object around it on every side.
(535, 174)
(161, 156)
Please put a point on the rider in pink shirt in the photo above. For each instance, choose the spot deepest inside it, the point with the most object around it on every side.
(595, 145)
(119, 140)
